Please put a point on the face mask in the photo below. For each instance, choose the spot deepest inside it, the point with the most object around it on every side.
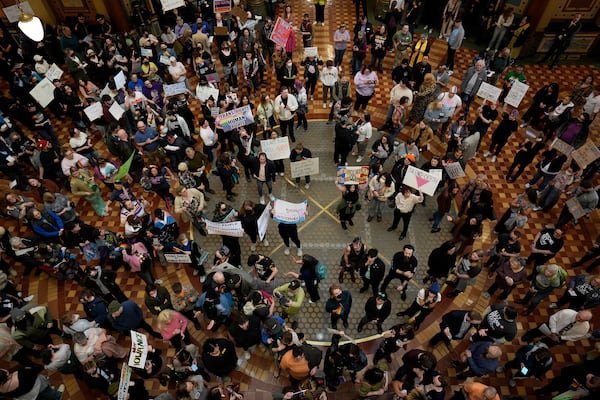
(165, 130)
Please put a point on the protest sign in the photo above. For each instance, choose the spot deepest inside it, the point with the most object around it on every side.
(489, 92)
(123, 392)
(311, 52)
(174, 89)
(516, 93)
(421, 180)
(263, 221)
(586, 154)
(221, 6)
(54, 72)
(235, 118)
(221, 31)
(437, 172)
(289, 213)
(106, 91)
(239, 12)
(214, 111)
(43, 92)
(225, 228)
(533, 134)
(178, 258)
(145, 52)
(13, 13)
(352, 175)
(281, 31)
(171, 4)
(204, 92)
(561, 146)
(276, 149)
(120, 80)
(575, 208)
(164, 60)
(454, 170)
(307, 167)
(93, 111)
(139, 350)
(116, 110)
(213, 78)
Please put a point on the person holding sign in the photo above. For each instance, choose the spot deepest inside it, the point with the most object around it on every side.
(298, 154)
(285, 107)
(586, 196)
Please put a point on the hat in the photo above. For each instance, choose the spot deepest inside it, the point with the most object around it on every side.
(42, 144)
(273, 325)
(224, 250)
(295, 284)
(411, 157)
(17, 314)
(514, 113)
(233, 281)
(89, 51)
(114, 306)
(37, 58)
(434, 288)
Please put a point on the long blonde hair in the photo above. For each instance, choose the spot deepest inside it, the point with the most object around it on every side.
(428, 79)
(164, 318)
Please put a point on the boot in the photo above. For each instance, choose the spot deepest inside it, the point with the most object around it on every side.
(343, 223)
(341, 276)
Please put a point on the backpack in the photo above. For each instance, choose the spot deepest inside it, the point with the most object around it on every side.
(321, 271)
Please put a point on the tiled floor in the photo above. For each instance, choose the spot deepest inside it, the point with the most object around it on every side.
(322, 236)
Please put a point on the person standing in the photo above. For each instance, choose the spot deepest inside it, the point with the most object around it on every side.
(365, 82)
(285, 107)
(454, 42)
(127, 316)
(372, 269)
(404, 266)
(503, 132)
(377, 309)
(338, 305)
(405, 202)
(308, 274)
(263, 170)
(298, 154)
(562, 41)
(592, 254)
(341, 37)
(354, 254)
(402, 41)
(545, 246)
(146, 139)
(365, 131)
(343, 141)
(471, 82)
(502, 25)
(319, 12)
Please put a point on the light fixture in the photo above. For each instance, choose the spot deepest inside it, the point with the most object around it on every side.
(30, 25)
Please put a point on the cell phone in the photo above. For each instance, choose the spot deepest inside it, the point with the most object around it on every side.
(524, 370)
(194, 367)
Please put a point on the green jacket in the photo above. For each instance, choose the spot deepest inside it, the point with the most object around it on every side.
(35, 330)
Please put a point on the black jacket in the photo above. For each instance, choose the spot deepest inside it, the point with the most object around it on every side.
(270, 174)
(453, 320)
(377, 270)
(375, 313)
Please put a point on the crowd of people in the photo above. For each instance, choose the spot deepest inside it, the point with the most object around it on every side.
(143, 139)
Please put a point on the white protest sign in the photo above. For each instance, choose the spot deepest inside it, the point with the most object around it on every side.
(516, 93)
(43, 92)
(227, 229)
(311, 52)
(489, 92)
(139, 350)
(164, 60)
(13, 14)
(145, 52)
(561, 146)
(263, 221)
(171, 4)
(116, 110)
(54, 72)
(421, 180)
(178, 258)
(289, 213)
(437, 172)
(586, 154)
(106, 90)
(94, 111)
(124, 382)
(204, 92)
(454, 170)
(307, 167)
(174, 89)
(120, 80)
(276, 149)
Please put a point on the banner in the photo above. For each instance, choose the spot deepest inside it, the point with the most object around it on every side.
(174, 89)
(421, 180)
(289, 213)
(489, 92)
(221, 6)
(124, 382)
(235, 118)
(454, 170)
(586, 154)
(225, 228)
(352, 175)
(263, 221)
(561, 146)
(139, 350)
(43, 92)
(281, 31)
(116, 110)
(276, 149)
(516, 93)
(311, 52)
(178, 258)
(54, 72)
(94, 111)
(307, 167)
(171, 4)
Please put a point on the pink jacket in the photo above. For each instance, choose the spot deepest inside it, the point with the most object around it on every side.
(177, 322)
(134, 260)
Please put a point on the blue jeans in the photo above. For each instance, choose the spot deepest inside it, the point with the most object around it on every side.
(377, 207)
(545, 182)
(259, 186)
(437, 219)
(339, 56)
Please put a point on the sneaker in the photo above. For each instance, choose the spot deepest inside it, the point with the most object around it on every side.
(203, 279)
(252, 247)
(61, 390)
(311, 302)
(523, 125)
(286, 251)
(312, 97)
(324, 105)
(331, 102)
(486, 295)
(494, 158)
(537, 208)
(272, 197)
(359, 159)
(527, 186)
(354, 153)
(307, 186)
(265, 243)
(196, 272)
(299, 252)
(281, 173)
(28, 298)
(552, 305)
(262, 200)
(240, 362)
(315, 22)
(487, 154)
(158, 282)
(450, 73)
(322, 23)
(12, 271)
(246, 355)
